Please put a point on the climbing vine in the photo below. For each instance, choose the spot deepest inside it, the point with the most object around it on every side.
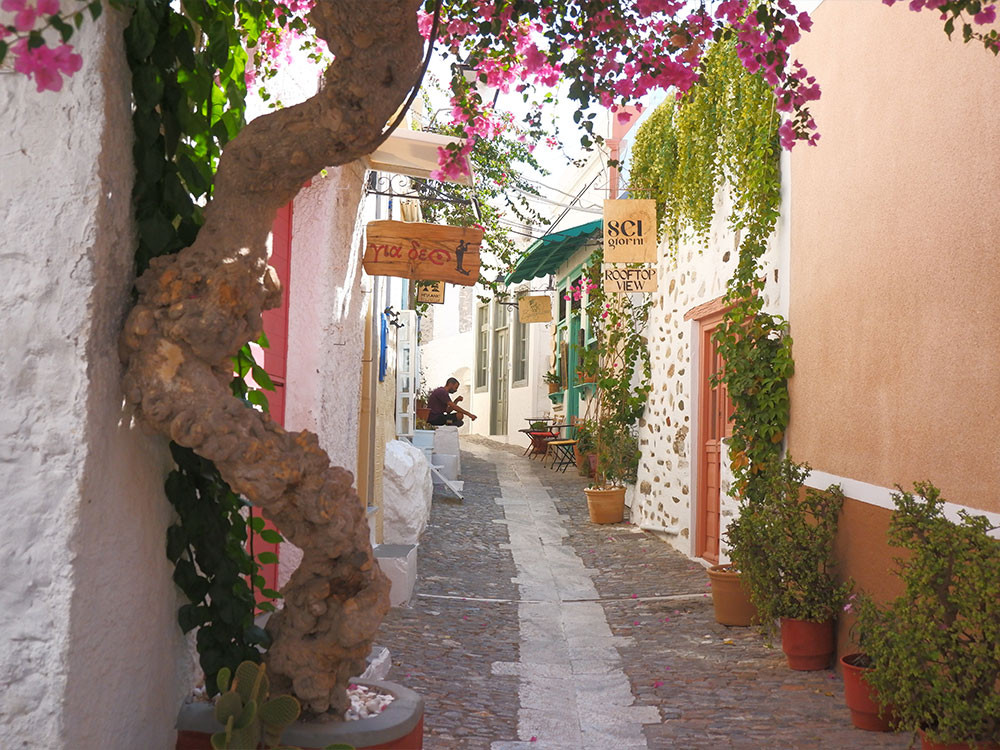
(189, 88)
(724, 133)
(618, 362)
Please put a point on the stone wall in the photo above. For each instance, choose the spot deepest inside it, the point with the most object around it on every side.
(666, 487)
(92, 655)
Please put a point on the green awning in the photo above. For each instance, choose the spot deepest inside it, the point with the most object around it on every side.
(547, 253)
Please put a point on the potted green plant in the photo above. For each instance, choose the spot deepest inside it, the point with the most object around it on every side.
(617, 462)
(782, 542)
(554, 380)
(421, 409)
(862, 699)
(935, 649)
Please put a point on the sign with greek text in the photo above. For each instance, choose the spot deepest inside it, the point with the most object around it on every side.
(430, 292)
(423, 252)
(630, 231)
(621, 279)
(534, 309)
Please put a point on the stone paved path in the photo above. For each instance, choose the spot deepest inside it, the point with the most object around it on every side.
(533, 628)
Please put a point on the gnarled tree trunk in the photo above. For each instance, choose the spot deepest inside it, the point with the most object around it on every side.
(197, 308)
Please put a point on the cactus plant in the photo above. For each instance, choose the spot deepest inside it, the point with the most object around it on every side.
(246, 713)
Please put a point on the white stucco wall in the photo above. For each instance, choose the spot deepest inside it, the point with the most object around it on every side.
(666, 486)
(326, 313)
(92, 655)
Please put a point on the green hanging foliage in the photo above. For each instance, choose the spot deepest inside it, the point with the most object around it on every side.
(189, 65)
(723, 135)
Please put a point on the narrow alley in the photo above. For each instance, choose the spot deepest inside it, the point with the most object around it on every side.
(531, 627)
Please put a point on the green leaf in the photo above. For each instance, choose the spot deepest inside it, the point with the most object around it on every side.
(261, 377)
(267, 558)
(272, 536)
(257, 523)
(176, 542)
(257, 398)
(191, 616)
(156, 232)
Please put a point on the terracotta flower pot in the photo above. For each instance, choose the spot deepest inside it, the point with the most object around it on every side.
(553, 387)
(730, 599)
(423, 412)
(606, 505)
(862, 698)
(808, 646)
(928, 744)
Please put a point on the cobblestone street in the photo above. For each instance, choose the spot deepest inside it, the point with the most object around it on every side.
(531, 627)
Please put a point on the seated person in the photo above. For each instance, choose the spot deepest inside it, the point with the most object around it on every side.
(444, 410)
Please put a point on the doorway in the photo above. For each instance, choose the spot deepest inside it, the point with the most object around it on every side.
(714, 425)
(501, 371)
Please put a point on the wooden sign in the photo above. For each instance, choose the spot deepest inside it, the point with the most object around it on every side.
(630, 231)
(423, 252)
(621, 279)
(534, 309)
(430, 292)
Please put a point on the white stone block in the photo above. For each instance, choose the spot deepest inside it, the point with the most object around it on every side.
(423, 438)
(447, 465)
(446, 442)
(399, 563)
(378, 664)
(406, 493)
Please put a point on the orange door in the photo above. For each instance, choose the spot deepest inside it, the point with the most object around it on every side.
(714, 410)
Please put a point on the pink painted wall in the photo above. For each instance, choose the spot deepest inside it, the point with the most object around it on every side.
(894, 278)
(326, 308)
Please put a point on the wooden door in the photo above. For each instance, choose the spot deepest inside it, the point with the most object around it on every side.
(713, 425)
(501, 371)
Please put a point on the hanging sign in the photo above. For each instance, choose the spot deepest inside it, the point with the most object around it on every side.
(534, 309)
(630, 231)
(622, 279)
(430, 292)
(423, 252)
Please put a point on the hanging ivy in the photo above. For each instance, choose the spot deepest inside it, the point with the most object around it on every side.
(189, 66)
(723, 135)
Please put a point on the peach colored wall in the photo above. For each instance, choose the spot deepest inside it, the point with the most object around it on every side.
(895, 286)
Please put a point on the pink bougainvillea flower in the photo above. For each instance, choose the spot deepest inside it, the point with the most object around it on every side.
(48, 7)
(986, 15)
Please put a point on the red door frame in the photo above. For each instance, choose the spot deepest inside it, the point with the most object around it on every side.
(276, 355)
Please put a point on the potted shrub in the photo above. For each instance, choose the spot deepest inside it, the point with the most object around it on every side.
(935, 649)
(862, 699)
(617, 462)
(782, 542)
